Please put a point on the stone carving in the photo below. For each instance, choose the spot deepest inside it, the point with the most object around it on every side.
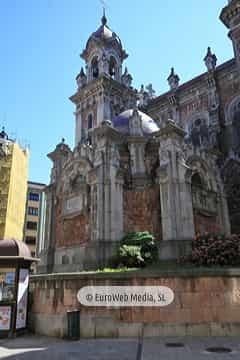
(213, 100)
(105, 63)
(127, 78)
(53, 175)
(4, 149)
(164, 157)
(81, 79)
(151, 92)
(198, 133)
(173, 80)
(135, 124)
(115, 156)
(98, 158)
(210, 60)
(204, 201)
(142, 97)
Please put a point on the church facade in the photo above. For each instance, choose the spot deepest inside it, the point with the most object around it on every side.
(168, 164)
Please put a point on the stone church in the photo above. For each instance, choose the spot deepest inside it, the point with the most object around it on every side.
(168, 164)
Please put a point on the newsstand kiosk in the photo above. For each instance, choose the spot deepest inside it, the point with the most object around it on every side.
(15, 262)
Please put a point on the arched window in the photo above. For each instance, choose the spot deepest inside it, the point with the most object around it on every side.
(236, 130)
(232, 121)
(197, 132)
(90, 121)
(112, 67)
(196, 180)
(95, 68)
(89, 126)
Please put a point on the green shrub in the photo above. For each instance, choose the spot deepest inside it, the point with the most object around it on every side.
(130, 256)
(136, 250)
(209, 250)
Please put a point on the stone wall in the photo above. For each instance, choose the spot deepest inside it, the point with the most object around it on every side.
(142, 211)
(72, 231)
(206, 303)
(205, 223)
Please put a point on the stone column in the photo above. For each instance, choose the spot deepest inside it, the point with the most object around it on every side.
(222, 206)
(47, 253)
(175, 194)
(103, 109)
(78, 127)
(137, 152)
(230, 16)
(109, 193)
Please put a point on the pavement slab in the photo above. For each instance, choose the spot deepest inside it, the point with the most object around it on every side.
(37, 348)
(45, 348)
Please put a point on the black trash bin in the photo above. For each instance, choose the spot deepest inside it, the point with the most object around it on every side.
(73, 320)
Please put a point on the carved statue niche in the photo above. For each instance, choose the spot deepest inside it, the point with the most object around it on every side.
(115, 156)
(75, 189)
(198, 133)
(135, 124)
(76, 181)
(151, 160)
(203, 197)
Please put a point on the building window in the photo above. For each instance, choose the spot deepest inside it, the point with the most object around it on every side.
(30, 240)
(90, 121)
(31, 225)
(33, 211)
(95, 69)
(33, 196)
(112, 67)
(196, 180)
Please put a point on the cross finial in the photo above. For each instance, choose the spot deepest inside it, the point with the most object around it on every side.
(104, 19)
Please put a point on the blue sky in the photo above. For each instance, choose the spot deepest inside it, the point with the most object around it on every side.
(40, 43)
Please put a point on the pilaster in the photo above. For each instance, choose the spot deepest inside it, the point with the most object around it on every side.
(175, 192)
(109, 184)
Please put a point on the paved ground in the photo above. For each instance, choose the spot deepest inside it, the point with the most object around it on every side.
(36, 348)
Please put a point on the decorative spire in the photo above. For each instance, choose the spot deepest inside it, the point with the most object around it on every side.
(127, 78)
(173, 80)
(81, 79)
(210, 60)
(3, 134)
(82, 74)
(104, 19)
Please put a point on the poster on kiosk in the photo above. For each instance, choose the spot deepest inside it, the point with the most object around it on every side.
(22, 299)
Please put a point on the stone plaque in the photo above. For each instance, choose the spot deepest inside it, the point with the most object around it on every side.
(74, 204)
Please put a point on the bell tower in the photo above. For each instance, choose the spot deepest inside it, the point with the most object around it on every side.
(103, 89)
(230, 16)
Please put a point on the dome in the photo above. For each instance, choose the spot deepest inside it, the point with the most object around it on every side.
(14, 247)
(121, 122)
(105, 33)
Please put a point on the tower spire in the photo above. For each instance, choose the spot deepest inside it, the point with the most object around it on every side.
(104, 19)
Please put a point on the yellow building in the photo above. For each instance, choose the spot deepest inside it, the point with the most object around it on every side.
(13, 188)
(35, 217)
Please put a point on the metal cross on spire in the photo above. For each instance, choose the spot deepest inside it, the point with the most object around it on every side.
(104, 5)
(104, 19)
